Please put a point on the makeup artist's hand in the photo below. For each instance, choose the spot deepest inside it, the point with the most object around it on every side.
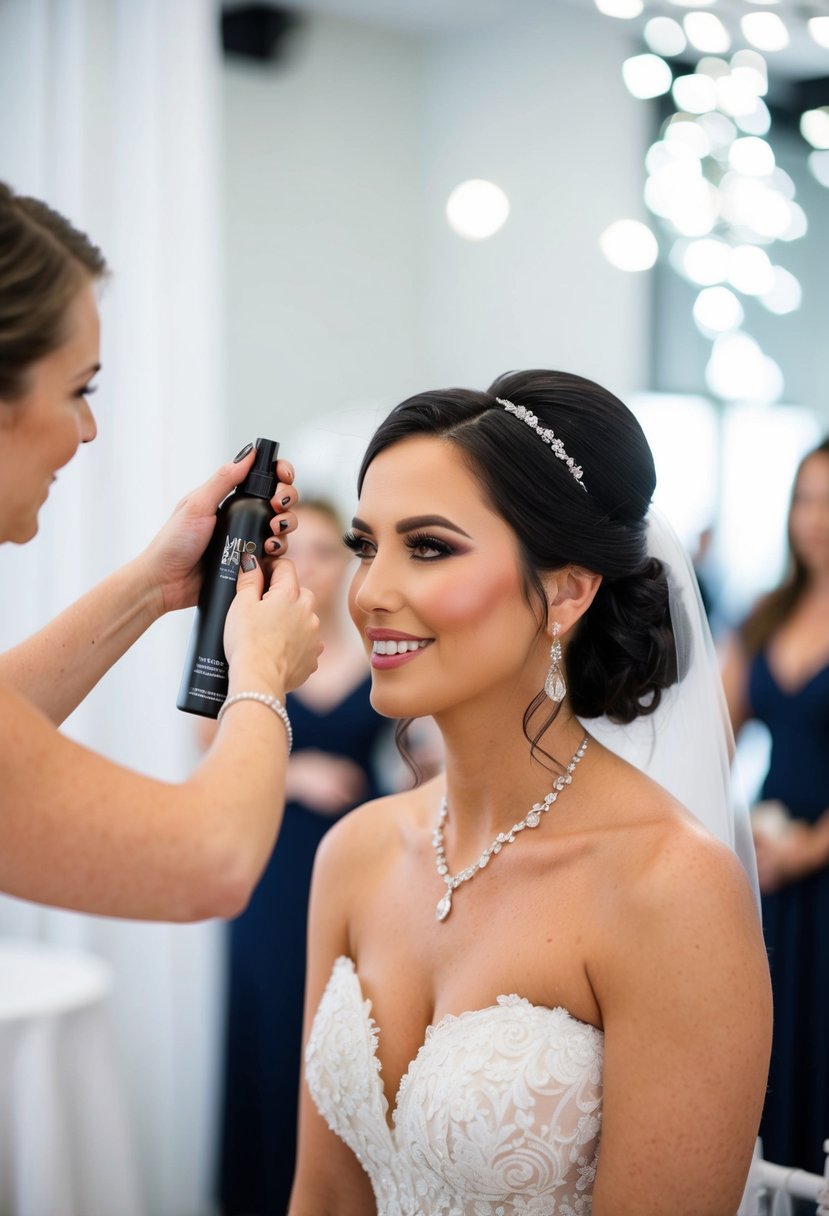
(272, 633)
(171, 560)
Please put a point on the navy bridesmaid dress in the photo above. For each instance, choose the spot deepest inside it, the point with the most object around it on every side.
(266, 977)
(796, 924)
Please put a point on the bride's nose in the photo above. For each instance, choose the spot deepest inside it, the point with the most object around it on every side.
(375, 588)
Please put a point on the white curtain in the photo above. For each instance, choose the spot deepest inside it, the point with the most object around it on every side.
(111, 111)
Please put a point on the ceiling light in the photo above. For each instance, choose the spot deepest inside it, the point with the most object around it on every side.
(757, 121)
(712, 65)
(749, 203)
(765, 31)
(819, 29)
(629, 245)
(671, 155)
(739, 371)
(685, 131)
(626, 9)
(751, 156)
(476, 209)
(750, 67)
(785, 294)
(819, 165)
(720, 130)
(750, 271)
(734, 98)
(696, 94)
(717, 310)
(705, 262)
(646, 76)
(664, 36)
(695, 210)
(798, 225)
(706, 32)
(814, 127)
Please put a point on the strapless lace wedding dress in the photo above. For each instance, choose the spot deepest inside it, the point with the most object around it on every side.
(498, 1114)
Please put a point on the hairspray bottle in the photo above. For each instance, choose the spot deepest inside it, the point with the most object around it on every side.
(243, 524)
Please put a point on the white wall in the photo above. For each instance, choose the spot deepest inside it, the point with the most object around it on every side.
(537, 104)
(346, 288)
(322, 226)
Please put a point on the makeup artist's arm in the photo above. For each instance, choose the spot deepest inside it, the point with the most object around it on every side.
(79, 831)
(59, 665)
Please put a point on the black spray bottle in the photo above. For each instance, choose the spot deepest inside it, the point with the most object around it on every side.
(243, 524)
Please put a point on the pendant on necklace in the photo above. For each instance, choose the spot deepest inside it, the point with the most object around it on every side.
(444, 906)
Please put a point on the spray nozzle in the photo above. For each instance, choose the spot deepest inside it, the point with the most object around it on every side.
(261, 480)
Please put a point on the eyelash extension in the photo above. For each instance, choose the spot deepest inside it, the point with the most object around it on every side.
(421, 540)
(354, 543)
(87, 390)
(416, 540)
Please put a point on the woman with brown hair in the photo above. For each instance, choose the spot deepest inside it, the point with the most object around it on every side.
(777, 671)
(76, 830)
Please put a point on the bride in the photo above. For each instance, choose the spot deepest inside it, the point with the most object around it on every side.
(541, 951)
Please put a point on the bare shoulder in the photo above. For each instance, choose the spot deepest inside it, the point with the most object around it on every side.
(679, 971)
(367, 839)
(675, 893)
(661, 852)
(682, 867)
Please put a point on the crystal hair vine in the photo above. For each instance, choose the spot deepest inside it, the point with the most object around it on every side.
(547, 435)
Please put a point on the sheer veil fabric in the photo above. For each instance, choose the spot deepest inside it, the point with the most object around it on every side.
(687, 744)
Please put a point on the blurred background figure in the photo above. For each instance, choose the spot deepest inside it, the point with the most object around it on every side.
(333, 767)
(702, 561)
(777, 671)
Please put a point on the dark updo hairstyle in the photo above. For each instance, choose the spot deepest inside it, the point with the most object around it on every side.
(621, 656)
(44, 263)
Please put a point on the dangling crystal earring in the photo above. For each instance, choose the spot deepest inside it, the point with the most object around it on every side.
(554, 685)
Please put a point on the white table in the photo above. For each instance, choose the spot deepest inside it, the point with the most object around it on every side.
(65, 1146)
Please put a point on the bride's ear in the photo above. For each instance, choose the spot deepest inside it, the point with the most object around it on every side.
(570, 592)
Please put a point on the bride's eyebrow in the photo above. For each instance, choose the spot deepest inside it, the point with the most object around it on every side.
(414, 522)
(428, 521)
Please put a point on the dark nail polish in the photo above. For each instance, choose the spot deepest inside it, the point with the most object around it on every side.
(283, 523)
(274, 545)
(241, 455)
(248, 562)
(286, 500)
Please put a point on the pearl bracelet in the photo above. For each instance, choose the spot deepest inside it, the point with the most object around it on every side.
(272, 703)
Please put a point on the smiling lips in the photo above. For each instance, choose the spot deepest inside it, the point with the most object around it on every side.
(390, 650)
(393, 646)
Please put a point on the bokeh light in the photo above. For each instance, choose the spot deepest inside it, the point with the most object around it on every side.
(819, 166)
(476, 209)
(785, 294)
(624, 9)
(818, 28)
(750, 270)
(647, 76)
(739, 371)
(765, 31)
(752, 156)
(814, 127)
(706, 32)
(664, 36)
(629, 245)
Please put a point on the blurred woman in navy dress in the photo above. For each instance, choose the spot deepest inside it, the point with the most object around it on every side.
(777, 671)
(331, 769)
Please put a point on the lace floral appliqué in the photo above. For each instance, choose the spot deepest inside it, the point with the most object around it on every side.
(498, 1115)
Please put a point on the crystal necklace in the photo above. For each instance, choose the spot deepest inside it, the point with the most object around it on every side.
(530, 820)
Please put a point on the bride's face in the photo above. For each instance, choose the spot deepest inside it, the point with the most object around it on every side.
(439, 585)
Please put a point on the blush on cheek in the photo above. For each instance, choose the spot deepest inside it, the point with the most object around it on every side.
(486, 590)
